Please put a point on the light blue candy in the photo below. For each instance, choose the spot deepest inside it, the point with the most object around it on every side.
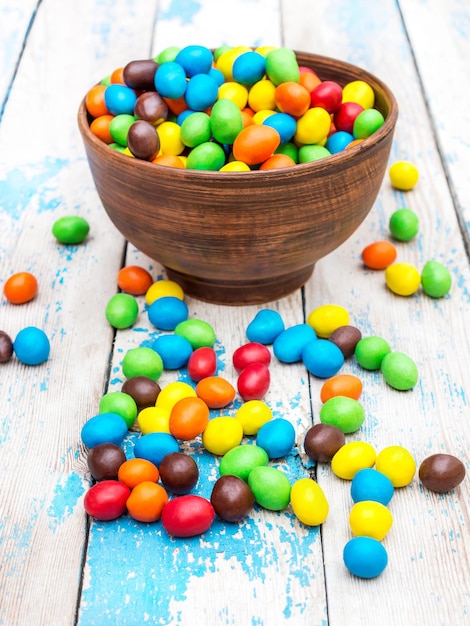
(31, 346)
(120, 99)
(201, 92)
(154, 446)
(195, 59)
(285, 125)
(276, 437)
(288, 346)
(249, 68)
(167, 312)
(369, 484)
(170, 80)
(104, 428)
(322, 358)
(265, 327)
(365, 557)
(174, 350)
(338, 141)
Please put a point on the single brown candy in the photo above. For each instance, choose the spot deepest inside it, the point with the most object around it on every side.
(346, 338)
(104, 461)
(441, 472)
(140, 74)
(143, 140)
(232, 498)
(322, 442)
(6, 347)
(151, 107)
(144, 390)
(179, 472)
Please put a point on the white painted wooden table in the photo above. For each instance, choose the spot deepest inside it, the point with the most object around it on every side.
(57, 568)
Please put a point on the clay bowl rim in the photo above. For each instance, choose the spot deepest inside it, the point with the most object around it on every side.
(315, 167)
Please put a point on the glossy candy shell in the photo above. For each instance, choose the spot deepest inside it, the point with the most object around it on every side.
(187, 516)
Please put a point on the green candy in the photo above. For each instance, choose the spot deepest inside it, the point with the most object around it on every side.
(226, 121)
(199, 333)
(119, 127)
(290, 149)
(345, 413)
(122, 310)
(168, 54)
(270, 487)
(70, 229)
(404, 224)
(370, 351)
(142, 362)
(242, 459)
(196, 129)
(206, 156)
(399, 371)
(282, 66)
(121, 403)
(312, 152)
(367, 122)
(436, 280)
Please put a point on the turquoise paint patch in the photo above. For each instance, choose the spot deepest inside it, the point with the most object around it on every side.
(65, 499)
(184, 10)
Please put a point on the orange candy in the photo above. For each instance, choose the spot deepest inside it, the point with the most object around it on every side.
(134, 280)
(379, 255)
(309, 80)
(292, 98)
(20, 288)
(135, 471)
(169, 160)
(100, 128)
(94, 101)
(188, 418)
(117, 76)
(146, 502)
(216, 391)
(277, 161)
(254, 144)
(341, 385)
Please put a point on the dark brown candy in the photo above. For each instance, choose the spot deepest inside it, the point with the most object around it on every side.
(140, 74)
(346, 338)
(151, 107)
(6, 347)
(232, 498)
(143, 140)
(322, 442)
(179, 472)
(144, 390)
(441, 472)
(104, 461)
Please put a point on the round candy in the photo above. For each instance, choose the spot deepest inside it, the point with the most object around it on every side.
(6, 347)
(155, 446)
(194, 59)
(206, 156)
(403, 175)
(253, 381)
(151, 107)
(201, 92)
(106, 500)
(309, 502)
(397, 464)
(404, 224)
(327, 318)
(119, 127)
(249, 68)
(242, 459)
(338, 141)
(170, 80)
(134, 280)
(365, 557)
(142, 140)
(313, 152)
(140, 74)
(198, 332)
(359, 91)
(146, 502)
(441, 472)
(195, 129)
(282, 66)
(162, 288)
(276, 437)
(174, 351)
(341, 385)
(322, 442)
(288, 345)
(172, 392)
(142, 361)
(345, 413)
(370, 519)
(188, 418)
(144, 390)
(187, 516)
(31, 346)
(252, 415)
(345, 116)
(369, 484)
(284, 123)
(322, 358)
(135, 471)
(399, 371)
(179, 472)
(202, 363)
(70, 229)
(120, 99)
(103, 428)
(169, 134)
(216, 391)
(254, 144)
(379, 255)
(20, 288)
(226, 121)
(328, 94)
(121, 403)
(367, 123)
(265, 327)
(122, 310)
(352, 457)
(232, 498)
(346, 338)
(104, 461)
(436, 280)
(222, 434)
(270, 486)
(370, 351)
(252, 352)
(154, 419)
(402, 278)
(313, 127)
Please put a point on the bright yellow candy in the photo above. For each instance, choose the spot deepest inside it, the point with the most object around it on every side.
(370, 519)
(154, 419)
(359, 91)
(313, 126)
(169, 134)
(260, 116)
(235, 166)
(162, 288)
(351, 458)
(403, 175)
(222, 434)
(235, 92)
(264, 50)
(261, 96)
(309, 502)
(174, 391)
(327, 318)
(397, 464)
(252, 415)
(402, 278)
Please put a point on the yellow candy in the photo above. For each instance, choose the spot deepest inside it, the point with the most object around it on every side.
(235, 166)
(174, 391)
(264, 50)
(169, 134)
(260, 116)
(235, 92)
(370, 519)
(403, 175)
(162, 288)
(308, 502)
(351, 458)
(261, 96)
(397, 464)
(222, 434)
(154, 419)
(313, 126)
(402, 278)
(359, 91)
(327, 318)
(252, 415)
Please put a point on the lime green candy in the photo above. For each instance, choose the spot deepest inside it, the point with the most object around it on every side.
(436, 280)
(168, 54)
(121, 403)
(119, 127)
(196, 129)
(312, 152)
(399, 371)
(70, 229)
(370, 351)
(206, 156)
(404, 224)
(241, 460)
(226, 121)
(345, 413)
(198, 332)
(142, 361)
(282, 66)
(122, 310)
(367, 123)
(270, 487)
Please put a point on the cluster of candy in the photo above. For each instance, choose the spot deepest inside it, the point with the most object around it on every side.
(237, 109)
(404, 279)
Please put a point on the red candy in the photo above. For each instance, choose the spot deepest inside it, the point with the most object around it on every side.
(252, 352)
(328, 95)
(202, 363)
(106, 500)
(187, 516)
(253, 381)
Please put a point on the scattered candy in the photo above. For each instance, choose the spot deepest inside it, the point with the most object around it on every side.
(370, 519)
(322, 442)
(222, 434)
(322, 358)
(399, 371)
(309, 502)
(346, 338)
(122, 310)
(134, 280)
(31, 346)
(104, 461)
(106, 500)
(404, 224)
(365, 557)
(216, 391)
(20, 288)
(242, 459)
(187, 516)
(6, 347)
(121, 403)
(253, 381)
(341, 385)
(370, 351)
(173, 350)
(142, 362)
(198, 332)
(288, 345)
(252, 415)
(397, 464)
(188, 418)
(155, 446)
(147, 501)
(436, 280)
(154, 419)
(379, 255)
(70, 229)
(276, 437)
(352, 457)
(327, 318)
(345, 413)
(134, 471)
(265, 327)
(403, 175)
(402, 278)
(232, 498)
(202, 363)
(103, 428)
(144, 390)
(270, 486)
(252, 352)
(162, 288)
(441, 472)
(369, 484)
(179, 472)
(172, 392)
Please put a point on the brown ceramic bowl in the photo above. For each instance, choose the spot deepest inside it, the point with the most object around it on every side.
(245, 237)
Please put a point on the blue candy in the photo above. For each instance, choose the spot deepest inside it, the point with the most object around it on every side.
(338, 141)
(120, 99)
(195, 60)
(201, 92)
(154, 446)
(365, 557)
(276, 437)
(167, 312)
(31, 346)
(369, 484)
(289, 344)
(104, 428)
(174, 350)
(249, 68)
(284, 123)
(265, 327)
(322, 358)
(170, 80)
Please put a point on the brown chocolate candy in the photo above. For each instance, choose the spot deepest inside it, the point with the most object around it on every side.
(346, 338)
(143, 140)
(104, 461)
(140, 75)
(441, 472)
(178, 472)
(144, 390)
(232, 498)
(6, 347)
(322, 442)
(151, 107)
